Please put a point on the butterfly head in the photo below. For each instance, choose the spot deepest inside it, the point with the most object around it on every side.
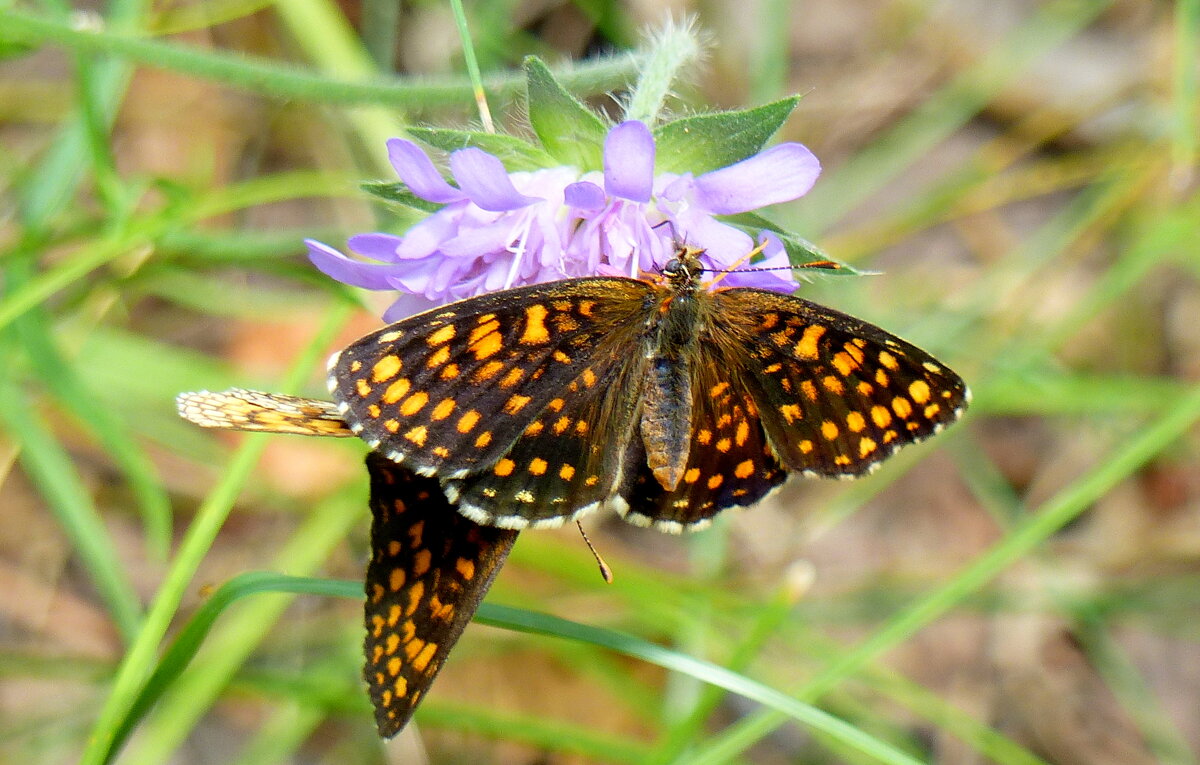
(683, 269)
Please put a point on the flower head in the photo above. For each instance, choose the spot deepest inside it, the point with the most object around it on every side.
(498, 229)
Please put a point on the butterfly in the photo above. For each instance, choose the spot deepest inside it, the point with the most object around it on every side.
(659, 398)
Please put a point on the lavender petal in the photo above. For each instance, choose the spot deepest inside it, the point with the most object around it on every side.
(629, 162)
(341, 268)
(584, 195)
(381, 247)
(485, 181)
(779, 174)
(417, 171)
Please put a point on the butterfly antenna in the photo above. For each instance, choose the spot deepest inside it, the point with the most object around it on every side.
(605, 571)
(721, 274)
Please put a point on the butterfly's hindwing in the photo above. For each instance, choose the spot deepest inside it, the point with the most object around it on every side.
(430, 567)
(567, 461)
(729, 462)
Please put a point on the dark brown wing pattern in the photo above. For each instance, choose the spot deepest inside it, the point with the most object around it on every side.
(447, 392)
(729, 462)
(836, 396)
(568, 460)
(430, 567)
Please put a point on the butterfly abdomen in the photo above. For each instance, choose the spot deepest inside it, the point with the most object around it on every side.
(666, 423)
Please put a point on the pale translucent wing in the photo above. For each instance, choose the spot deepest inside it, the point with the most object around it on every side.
(240, 409)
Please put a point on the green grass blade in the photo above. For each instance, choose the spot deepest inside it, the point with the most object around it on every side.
(50, 468)
(510, 618)
(145, 231)
(916, 135)
(1185, 132)
(52, 186)
(138, 662)
(780, 703)
(280, 81)
(195, 690)
(188, 642)
(61, 379)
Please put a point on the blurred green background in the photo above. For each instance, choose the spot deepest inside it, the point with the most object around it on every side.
(1025, 588)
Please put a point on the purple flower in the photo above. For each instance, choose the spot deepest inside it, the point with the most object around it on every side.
(498, 229)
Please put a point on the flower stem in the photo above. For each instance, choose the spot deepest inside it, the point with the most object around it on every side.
(675, 47)
(460, 18)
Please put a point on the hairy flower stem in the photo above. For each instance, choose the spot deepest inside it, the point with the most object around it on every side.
(673, 49)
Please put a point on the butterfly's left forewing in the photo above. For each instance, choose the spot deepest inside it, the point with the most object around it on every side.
(447, 392)
(430, 567)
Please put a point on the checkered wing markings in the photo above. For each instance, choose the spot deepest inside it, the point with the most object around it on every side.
(567, 460)
(451, 389)
(837, 395)
(430, 567)
(729, 461)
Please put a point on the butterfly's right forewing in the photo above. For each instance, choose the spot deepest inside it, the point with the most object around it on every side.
(837, 395)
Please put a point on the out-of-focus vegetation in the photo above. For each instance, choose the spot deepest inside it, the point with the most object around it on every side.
(1024, 588)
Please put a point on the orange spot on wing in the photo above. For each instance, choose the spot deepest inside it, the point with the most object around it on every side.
(919, 390)
(810, 390)
(535, 332)
(443, 410)
(488, 345)
(856, 422)
(385, 369)
(487, 371)
(421, 562)
(396, 391)
(465, 568)
(807, 347)
(516, 403)
(438, 358)
(512, 378)
(414, 403)
(468, 421)
(441, 336)
(881, 416)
